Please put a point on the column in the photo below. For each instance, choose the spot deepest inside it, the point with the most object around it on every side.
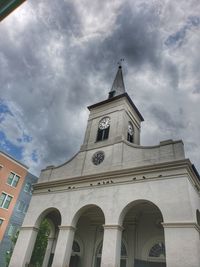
(182, 242)
(24, 247)
(48, 251)
(64, 246)
(111, 246)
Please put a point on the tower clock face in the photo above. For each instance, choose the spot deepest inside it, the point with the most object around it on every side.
(104, 123)
(130, 129)
(98, 157)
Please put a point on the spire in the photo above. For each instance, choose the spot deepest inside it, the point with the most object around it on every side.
(118, 87)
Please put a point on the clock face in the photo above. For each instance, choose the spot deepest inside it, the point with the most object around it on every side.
(104, 123)
(130, 129)
(98, 157)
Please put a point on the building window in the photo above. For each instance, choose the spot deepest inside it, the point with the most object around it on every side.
(130, 132)
(22, 206)
(158, 250)
(103, 129)
(13, 179)
(75, 257)
(12, 230)
(1, 221)
(28, 188)
(5, 200)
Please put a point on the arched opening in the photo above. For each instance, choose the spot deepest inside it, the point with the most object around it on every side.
(89, 230)
(43, 252)
(123, 258)
(144, 235)
(103, 129)
(130, 133)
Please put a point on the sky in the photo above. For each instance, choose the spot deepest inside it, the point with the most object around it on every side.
(58, 57)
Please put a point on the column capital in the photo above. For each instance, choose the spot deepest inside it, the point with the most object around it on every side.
(27, 227)
(181, 225)
(67, 227)
(113, 226)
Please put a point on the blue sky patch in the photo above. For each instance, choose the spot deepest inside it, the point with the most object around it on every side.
(34, 156)
(7, 147)
(178, 37)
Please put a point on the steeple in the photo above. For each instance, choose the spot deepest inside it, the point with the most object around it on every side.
(118, 87)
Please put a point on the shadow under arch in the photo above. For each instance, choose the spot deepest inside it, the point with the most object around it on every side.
(135, 203)
(52, 214)
(85, 208)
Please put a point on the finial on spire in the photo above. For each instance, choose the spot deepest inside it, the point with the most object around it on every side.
(120, 62)
(118, 87)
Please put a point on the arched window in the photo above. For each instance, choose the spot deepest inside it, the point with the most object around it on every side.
(123, 259)
(75, 257)
(130, 132)
(103, 129)
(157, 251)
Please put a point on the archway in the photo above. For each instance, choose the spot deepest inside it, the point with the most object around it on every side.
(43, 252)
(143, 234)
(89, 231)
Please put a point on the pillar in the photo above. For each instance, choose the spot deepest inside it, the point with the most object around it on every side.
(48, 251)
(182, 242)
(64, 246)
(111, 246)
(24, 247)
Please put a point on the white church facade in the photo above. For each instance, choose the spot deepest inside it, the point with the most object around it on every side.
(116, 203)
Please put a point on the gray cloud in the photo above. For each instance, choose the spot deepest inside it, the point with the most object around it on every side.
(60, 56)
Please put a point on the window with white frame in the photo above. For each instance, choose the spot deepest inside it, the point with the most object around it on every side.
(13, 179)
(22, 206)
(157, 250)
(5, 200)
(28, 188)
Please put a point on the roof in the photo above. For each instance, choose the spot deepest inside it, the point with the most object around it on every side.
(13, 159)
(118, 87)
(7, 6)
(115, 98)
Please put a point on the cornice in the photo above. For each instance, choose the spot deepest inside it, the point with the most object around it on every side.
(166, 166)
(67, 227)
(113, 226)
(32, 228)
(181, 225)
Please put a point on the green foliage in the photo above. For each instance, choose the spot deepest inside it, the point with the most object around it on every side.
(9, 253)
(40, 244)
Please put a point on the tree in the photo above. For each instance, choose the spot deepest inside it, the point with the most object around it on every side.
(40, 244)
(13, 239)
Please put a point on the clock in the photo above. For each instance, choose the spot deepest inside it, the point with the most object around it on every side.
(98, 157)
(104, 123)
(130, 129)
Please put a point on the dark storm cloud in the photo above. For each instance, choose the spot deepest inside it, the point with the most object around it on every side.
(53, 65)
(136, 36)
(165, 118)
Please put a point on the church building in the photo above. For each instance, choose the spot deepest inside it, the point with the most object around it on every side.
(116, 203)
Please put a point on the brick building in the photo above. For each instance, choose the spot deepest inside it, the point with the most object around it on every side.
(15, 194)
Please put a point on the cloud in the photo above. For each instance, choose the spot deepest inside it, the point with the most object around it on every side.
(57, 57)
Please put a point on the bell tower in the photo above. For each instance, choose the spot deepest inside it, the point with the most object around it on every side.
(113, 120)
